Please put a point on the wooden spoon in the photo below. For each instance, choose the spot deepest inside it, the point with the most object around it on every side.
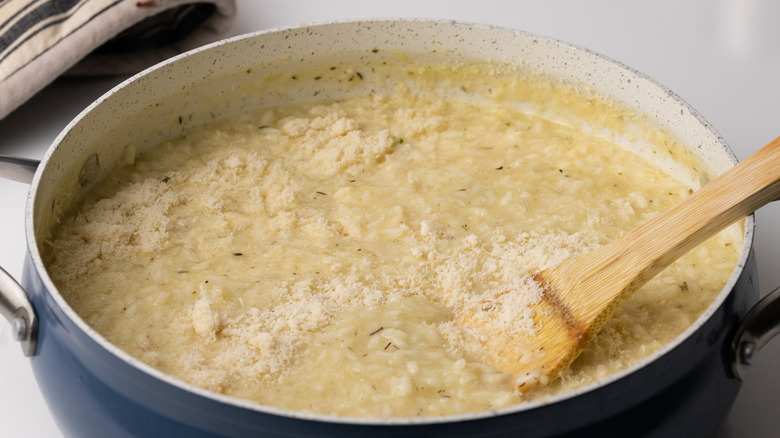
(582, 293)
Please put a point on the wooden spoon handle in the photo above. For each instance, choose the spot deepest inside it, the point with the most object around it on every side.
(736, 193)
(583, 292)
(613, 272)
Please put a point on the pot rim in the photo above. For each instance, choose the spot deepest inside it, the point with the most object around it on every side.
(54, 294)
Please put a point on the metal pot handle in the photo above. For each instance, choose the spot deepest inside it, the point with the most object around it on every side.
(14, 304)
(18, 310)
(760, 325)
(18, 169)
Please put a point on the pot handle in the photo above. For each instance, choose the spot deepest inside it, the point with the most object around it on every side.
(18, 169)
(14, 304)
(760, 325)
(18, 310)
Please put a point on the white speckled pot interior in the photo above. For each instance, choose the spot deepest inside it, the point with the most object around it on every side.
(163, 101)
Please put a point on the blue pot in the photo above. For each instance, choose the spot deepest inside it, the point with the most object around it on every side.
(95, 389)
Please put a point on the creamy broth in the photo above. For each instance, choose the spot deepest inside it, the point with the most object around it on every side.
(313, 256)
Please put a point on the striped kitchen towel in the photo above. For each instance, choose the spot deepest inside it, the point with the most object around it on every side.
(43, 39)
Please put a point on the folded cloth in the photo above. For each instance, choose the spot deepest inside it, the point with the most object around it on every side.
(43, 39)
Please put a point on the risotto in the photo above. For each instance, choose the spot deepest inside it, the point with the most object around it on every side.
(315, 256)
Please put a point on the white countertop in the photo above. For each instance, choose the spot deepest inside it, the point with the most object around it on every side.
(721, 56)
